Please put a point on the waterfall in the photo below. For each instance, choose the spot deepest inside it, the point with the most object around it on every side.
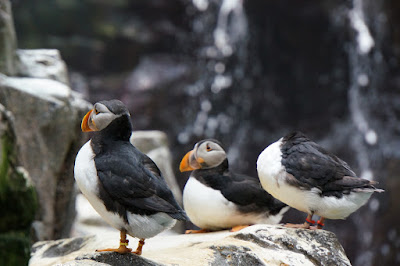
(359, 79)
(228, 22)
(361, 84)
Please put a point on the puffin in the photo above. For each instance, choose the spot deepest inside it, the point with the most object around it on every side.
(122, 184)
(307, 177)
(216, 198)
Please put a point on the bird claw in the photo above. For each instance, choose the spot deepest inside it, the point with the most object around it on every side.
(197, 231)
(301, 226)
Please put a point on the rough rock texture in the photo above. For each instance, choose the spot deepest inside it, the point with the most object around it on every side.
(8, 40)
(47, 125)
(18, 199)
(255, 245)
(42, 63)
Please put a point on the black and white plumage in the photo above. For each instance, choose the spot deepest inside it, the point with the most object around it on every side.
(305, 176)
(216, 198)
(122, 184)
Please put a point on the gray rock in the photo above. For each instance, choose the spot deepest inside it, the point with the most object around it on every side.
(255, 245)
(47, 125)
(42, 63)
(8, 40)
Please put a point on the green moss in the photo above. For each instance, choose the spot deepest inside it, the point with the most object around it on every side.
(4, 164)
(14, 248)
(18, 205)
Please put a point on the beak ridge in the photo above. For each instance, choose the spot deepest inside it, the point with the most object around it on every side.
(85, 122)
(189, 163)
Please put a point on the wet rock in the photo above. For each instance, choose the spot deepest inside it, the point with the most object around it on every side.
(255, 245)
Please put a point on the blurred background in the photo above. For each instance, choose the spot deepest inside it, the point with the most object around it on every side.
(247, 73)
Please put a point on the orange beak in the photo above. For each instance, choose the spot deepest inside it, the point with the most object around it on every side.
(85, 122)
(190, 163)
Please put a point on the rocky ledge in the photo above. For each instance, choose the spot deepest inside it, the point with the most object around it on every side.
(255, 245)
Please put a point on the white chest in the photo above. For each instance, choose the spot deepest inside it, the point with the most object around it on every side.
(86, 177)
(209, 209)
(272, 177)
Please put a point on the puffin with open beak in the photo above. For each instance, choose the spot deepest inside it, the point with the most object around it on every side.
(122, 184)
(216, 198)
(305, 176)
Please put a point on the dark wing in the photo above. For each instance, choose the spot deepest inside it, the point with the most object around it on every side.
(244, 191)
(247, 193)
(312, 166)
(131, 180)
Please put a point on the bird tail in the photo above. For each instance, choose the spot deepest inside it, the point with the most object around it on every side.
(370, 187)
(373, 183)
(181, 216)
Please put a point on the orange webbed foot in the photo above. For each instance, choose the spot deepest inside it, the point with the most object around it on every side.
(301, 226)
(201, 231)
(120, 250)
(238, 228)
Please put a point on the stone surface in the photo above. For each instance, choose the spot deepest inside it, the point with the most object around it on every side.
(8, 40)
(18, 199)
(47, 125)
(42, 63)
(255, 245)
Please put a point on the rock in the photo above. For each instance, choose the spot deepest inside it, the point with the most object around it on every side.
(8, 40)
(42, 63)
(255, 245)
(47, 126)
(18, 199)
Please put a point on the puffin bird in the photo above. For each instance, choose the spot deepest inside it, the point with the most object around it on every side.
(303, 175)
(216, 198)
(122, 184)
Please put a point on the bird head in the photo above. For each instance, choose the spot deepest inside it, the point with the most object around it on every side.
(205, 154)
(103, 113)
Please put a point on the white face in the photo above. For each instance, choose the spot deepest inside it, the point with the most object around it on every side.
(211, 153)
(101, 117)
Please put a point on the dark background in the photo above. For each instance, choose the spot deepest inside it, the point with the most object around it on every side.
(247, 73)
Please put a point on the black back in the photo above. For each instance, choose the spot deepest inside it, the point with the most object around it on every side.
(312, 166)
(245, 191)
(129, 180)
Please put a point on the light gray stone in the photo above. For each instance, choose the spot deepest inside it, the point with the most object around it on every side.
(47, 125)
(42, 63)
(255, 245)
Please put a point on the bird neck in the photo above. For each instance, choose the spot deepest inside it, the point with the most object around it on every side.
(118, 130)
(221, 169)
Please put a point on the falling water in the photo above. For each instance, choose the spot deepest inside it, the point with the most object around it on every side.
(228, 42)
(360, 80)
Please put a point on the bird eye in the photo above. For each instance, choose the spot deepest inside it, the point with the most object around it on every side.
(208, 148)
(96, 111)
